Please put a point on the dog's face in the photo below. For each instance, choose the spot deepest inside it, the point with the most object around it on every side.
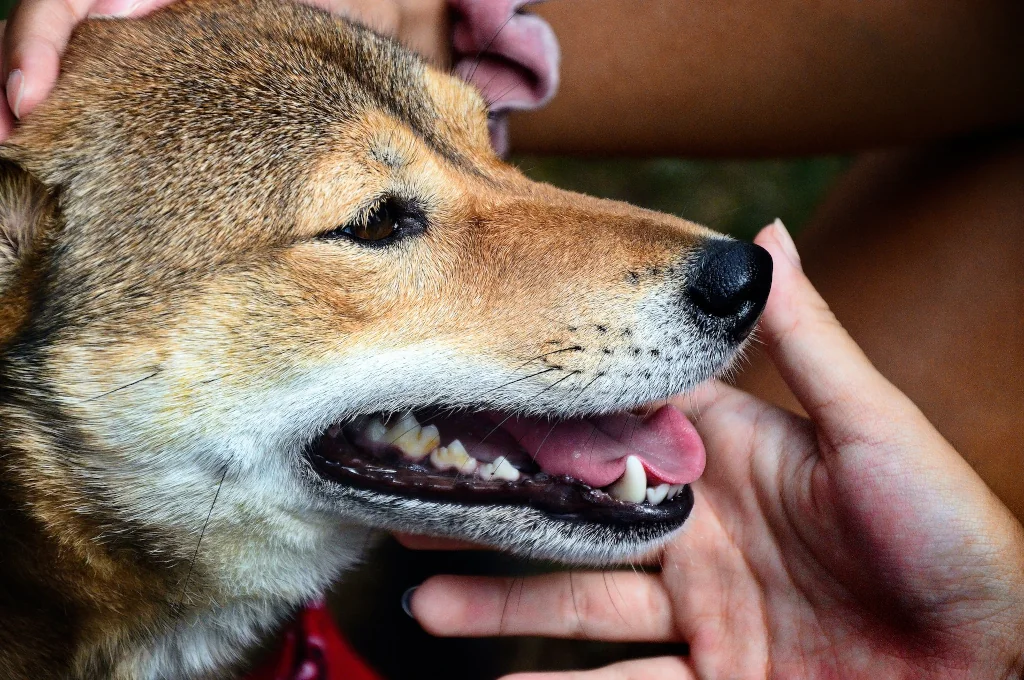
(262, 238)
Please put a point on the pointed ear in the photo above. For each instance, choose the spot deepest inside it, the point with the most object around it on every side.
(26, 207)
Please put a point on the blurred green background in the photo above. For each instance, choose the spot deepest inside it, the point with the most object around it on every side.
(733, 196)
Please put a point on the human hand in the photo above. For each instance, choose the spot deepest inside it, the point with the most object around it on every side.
(855, 544)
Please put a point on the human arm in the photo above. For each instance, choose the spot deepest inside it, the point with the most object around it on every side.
(776, 77)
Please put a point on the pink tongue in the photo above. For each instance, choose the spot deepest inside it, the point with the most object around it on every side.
(594, 451)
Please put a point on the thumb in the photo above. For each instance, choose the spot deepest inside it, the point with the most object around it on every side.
(126, 8)
(829, 374)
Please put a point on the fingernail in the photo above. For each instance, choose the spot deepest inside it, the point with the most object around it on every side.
(117, 10)
(15, 88)
(131, 9)
(407, 601)
(786, 241)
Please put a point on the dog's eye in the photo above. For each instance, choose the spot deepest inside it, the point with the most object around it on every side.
(379, 225)
(384, 223)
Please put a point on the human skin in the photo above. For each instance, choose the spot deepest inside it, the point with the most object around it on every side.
(783, 77)
(779, 77)
(914, 249)
(855, 544)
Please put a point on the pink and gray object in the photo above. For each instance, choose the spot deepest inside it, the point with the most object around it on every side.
(510, 55)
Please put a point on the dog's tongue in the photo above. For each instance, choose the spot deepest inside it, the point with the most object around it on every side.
(594, 450)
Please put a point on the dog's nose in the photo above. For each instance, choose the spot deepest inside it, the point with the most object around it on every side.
(729, 282)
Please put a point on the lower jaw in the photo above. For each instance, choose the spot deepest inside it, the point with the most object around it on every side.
(561, 498)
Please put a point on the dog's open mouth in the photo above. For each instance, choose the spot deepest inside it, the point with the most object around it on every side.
(620, 467)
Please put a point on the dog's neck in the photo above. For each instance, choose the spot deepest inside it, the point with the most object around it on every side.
(80, 600)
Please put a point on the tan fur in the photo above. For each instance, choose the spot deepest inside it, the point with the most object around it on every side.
(163, 279)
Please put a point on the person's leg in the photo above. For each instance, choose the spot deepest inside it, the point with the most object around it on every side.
(921, 255)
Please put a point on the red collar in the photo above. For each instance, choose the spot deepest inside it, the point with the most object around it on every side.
(314, 649)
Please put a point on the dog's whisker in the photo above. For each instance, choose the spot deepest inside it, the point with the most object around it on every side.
(180, 607)
(483, 50)
(605, 575)
(573, 348)
(124, 387)
(511, 415)
(504, 607)
(431, 419)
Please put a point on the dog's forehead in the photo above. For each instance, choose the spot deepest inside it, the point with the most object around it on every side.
(223, 104)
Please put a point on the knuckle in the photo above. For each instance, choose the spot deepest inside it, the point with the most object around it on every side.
(593, 606)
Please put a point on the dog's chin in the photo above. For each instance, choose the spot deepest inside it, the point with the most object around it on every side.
(594, 489)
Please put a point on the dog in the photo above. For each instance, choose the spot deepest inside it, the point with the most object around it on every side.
(266, 289)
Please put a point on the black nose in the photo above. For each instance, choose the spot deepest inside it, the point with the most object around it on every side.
(729, 282)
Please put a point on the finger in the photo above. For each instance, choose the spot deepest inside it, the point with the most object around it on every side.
(6, 117)
(829, 374)
(126, 8)
(38, 32)
(662, 668)
(622, 606)
(418, 542)
(705, 397)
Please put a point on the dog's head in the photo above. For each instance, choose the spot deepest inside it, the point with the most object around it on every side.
(256, 253)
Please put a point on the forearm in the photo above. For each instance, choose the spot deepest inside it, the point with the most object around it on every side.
(779, 77)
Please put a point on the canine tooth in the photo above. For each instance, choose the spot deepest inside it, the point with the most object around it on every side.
(500, 469)
(376, 432)
(674, 490)
(656, 494)
(632, 485)
(453, 457)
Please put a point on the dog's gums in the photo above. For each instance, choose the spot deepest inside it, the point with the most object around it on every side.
(487, 458)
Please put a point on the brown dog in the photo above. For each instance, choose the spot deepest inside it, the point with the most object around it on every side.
(265, 287)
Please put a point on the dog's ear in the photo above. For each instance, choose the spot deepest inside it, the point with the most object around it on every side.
(26, 207)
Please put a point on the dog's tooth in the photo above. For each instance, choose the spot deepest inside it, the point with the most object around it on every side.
(404, 434)
(632, 485)
(500, 469)
(405, 424)
(376, 432)
(430, 436)
(656, 494)
(416, 444)
(453, 457)
(674, 490)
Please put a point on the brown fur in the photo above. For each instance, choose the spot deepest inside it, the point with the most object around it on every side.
(160, 261)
